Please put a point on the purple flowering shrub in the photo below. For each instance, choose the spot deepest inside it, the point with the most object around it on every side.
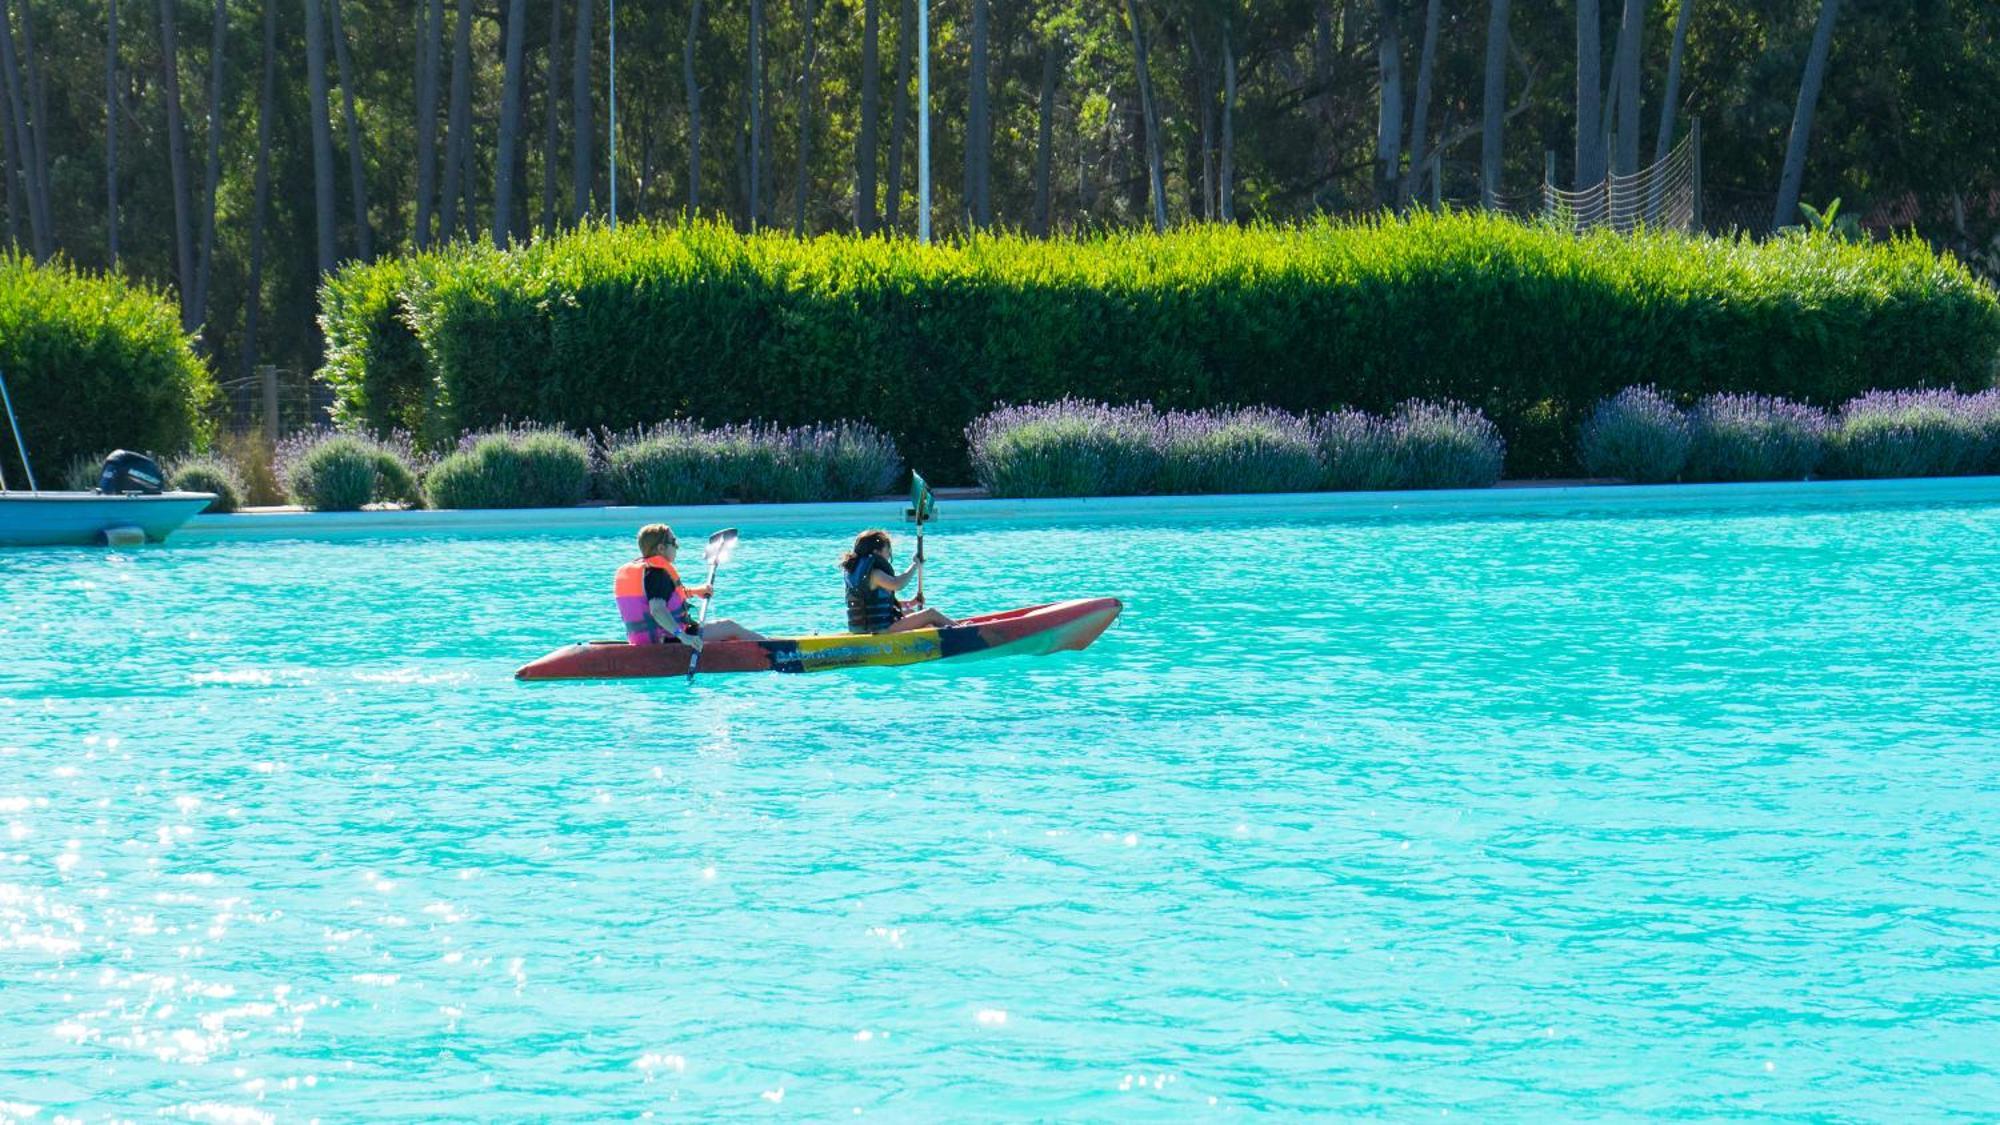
(1444, 445)
(1254, 450)
(331, 470)
(679, 462)
(1068, 448)
(1755, 437)
(1637, 435)
(1357, 452)
(525, 466)
(1928, 433)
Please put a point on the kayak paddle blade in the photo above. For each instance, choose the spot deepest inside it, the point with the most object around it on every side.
(721, 545)
(922, 507)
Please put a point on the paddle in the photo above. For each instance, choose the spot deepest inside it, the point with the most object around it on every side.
(922, 508)
(720, 546)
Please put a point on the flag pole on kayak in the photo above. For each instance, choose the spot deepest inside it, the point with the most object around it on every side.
(922, 508)
(720, 546)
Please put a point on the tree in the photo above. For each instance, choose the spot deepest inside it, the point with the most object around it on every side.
(170, 88)
(803, 185)
(430, 37)
(1420, 113)
(1389, 116)
(261, 206)
(867, 143)
(1590, 154)
(1045, 137)
(694, 105)
(1148, 111)
(212, 176)
(510, 122)
(582, 131)
(1631, 53)
(552, 116)
(754, 86)
(1802, 115)
(899, 114)
(1494, 103)
(1670, 99)
(111, 131)
(357, 177)
(978, 130)
(458, 139)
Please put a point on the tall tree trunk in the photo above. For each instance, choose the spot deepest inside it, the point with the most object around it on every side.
(357, 177)
(11, 168)
(978, 137)
(899, 113)
(38, 105)
(1495, 102)
(111, 131)
(1389, 119)
(582, 131)
(1802, 115)
(430, 23)
(1420, 114)
(504, 171)
(18, 104)
(170, 89)
(694, 106)
(267, 96)
(322, 133)
(1149, 116)
(1226, 190)
(1664, 143)
(754, 84)
(803, 184)
(866, 143)
(1202, 155)
(458, 125)
(552, 117)
(1631, 56)
(212, 171)
(1590, 154)
(1045, 138)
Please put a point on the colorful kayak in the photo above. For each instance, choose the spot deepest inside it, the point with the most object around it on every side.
(1033, 631)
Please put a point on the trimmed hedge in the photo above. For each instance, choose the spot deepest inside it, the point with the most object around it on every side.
(94, 363)
(602, 329)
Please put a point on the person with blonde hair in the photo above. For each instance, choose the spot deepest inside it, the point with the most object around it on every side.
(872, 586)
(654, 602)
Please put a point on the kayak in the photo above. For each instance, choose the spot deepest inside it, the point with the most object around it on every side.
(1031, 631)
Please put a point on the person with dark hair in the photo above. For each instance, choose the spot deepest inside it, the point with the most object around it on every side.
(872, 586)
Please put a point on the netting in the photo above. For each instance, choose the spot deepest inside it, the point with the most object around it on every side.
(1659, 195)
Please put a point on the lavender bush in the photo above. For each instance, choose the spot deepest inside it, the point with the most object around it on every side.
(330, 470)
(1254, 450)
(1357, 452)
(1638, 435)
(1911, 434)
(208, 473)
(1068, 448)
(1444, 445)
(681, 463)
(524, 466)
(1755, 437)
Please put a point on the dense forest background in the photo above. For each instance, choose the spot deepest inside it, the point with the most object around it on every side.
(233, 150)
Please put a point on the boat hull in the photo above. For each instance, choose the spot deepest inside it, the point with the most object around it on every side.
(83, 519)
(1032, 631)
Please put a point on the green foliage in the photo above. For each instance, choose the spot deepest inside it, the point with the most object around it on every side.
(679, 463)
(332, 471)
(209, 474)
(513, 469)
(606, 329)
(94, 363)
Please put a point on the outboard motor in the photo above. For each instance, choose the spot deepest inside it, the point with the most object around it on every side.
(127, 472)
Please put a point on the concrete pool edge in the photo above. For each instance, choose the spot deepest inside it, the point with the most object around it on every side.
(1543, 501)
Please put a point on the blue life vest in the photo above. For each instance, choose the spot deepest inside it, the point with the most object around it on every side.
(870, 609)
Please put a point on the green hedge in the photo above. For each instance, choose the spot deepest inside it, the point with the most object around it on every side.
(94, 363)
(614, 329)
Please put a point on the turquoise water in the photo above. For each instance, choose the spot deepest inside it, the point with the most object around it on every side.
(1682, 816)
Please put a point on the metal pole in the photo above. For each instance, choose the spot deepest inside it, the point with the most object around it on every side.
(1694, 139)
(923, 120)
(268, 374)
(614, 114)
(14, 424)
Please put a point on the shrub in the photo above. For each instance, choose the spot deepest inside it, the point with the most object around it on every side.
(339, 471)
(601, 329)
(1239, 451)
(1928, 433)
(1357, 451)
(515, 467)
(1755, 437)
(682, 463)
(94, 362)
(1445, 445)
(84, 471)
(1638, 435)
(1067, 448)
(209, 474)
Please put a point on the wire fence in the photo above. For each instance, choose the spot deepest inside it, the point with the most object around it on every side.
(274, 401)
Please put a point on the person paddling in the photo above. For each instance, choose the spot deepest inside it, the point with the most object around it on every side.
(653, 602)
(872, 586)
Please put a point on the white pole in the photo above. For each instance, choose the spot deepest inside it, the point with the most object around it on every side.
(923, 120)
(614, 114)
